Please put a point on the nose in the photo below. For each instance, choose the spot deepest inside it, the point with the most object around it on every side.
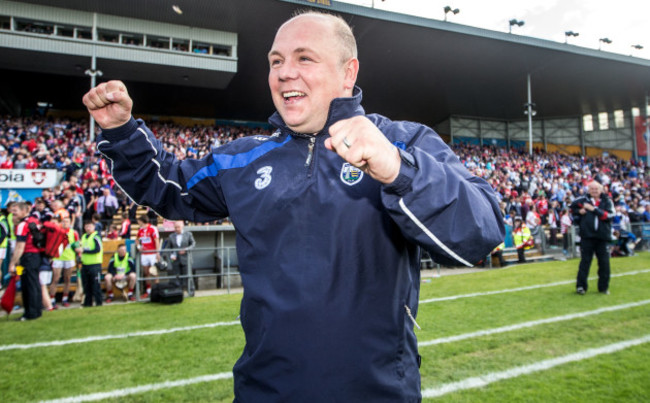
(287, 71)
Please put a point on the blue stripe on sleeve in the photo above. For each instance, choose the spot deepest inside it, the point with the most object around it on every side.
(224, 161)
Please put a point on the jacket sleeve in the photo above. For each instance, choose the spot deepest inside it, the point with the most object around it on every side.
(191, 241)
(438, 204)
(575, 210)
(152, 177)
(605, 211)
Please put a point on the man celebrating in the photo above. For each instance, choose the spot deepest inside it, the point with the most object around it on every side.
(330, 212)
(594, 217)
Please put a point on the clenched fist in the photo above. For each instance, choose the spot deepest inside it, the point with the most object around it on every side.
(358, 141)
(109, 104)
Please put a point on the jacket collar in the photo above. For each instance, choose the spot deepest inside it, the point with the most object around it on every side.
(340, 108)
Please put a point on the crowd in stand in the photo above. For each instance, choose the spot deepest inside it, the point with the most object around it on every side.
(537, 188)
(524, 183)
(85, 193)
(540, 188)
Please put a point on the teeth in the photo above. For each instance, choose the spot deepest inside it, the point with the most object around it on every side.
(293, 94)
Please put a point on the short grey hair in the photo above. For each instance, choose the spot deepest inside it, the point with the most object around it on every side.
(342, 31)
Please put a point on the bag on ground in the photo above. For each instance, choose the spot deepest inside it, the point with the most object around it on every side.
(167, 293)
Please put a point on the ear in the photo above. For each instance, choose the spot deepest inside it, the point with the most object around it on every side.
(351, 71)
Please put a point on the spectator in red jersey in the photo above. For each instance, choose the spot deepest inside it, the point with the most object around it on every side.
(103, 168)
(7, 164)
(542, 207)
(91, 174)
(65, 263)
(31, 164)
(3, 153)
(112, 232)
(148, 243)
(28, 255)
(125, 229)
(31, 145)
(79, 158)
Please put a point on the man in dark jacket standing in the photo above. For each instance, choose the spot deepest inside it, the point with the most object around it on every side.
(330, 212)
(594, 213)
(27, 254)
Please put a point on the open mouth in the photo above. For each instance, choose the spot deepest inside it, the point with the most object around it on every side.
(290, 96)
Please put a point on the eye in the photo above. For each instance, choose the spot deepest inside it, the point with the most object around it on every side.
(305, 59)
(275, 62)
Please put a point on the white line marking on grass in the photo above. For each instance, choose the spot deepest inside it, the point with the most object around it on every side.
(523, 325)
(180, 329)
(484, 380)
(114, 336)
(141, 389)
(468, 383)
(530, 287)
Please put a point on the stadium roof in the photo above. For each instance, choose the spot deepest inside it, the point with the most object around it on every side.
(411, 68)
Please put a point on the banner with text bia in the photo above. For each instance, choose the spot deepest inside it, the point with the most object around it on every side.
(27, 178)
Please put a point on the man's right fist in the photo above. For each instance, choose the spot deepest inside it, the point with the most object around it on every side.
(109, 104)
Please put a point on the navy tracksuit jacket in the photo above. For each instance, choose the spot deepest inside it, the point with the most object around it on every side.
(329, 257)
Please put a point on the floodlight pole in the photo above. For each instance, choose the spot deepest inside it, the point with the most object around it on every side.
(93, 72)
(529, 107)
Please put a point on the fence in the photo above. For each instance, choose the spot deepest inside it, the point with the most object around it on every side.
(226, 266)
(224, 271)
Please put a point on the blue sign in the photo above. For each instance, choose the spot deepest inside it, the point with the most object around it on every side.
(9, 195)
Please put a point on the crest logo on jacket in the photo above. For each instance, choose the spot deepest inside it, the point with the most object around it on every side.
(350, 175)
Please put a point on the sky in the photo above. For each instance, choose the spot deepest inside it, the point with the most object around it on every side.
(624, 22)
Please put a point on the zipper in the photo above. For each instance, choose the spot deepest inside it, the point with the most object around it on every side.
(310, 153)
(410, 315)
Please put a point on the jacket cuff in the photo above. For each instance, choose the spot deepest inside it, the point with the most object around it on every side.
(121, 132)
(404, 181)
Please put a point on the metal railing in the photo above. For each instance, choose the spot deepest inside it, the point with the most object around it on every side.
(223, 270)
(226, 266)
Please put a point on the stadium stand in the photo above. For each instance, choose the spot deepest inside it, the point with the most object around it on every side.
(526, 185)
